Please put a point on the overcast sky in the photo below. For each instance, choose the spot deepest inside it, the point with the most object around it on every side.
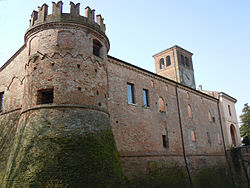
(217, 32)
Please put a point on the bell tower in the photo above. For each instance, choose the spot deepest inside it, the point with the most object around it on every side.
(175, 63)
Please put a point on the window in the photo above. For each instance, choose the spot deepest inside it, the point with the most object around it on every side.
(208, 138)
(1, 101)
(131, 95)
(145, 98)
(161, 105)
(161, 63)
(168, 61)
(45, 96)
(190, 111)
(193, 136)
(182, 60)
(218, 136)
(210, 116)
(229, 110)
(165, 141)
(97, 48)
(152, 83)
(187, 61)
(166, 88)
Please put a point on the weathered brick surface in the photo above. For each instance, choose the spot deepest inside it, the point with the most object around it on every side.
(74, 141)
(138, 130)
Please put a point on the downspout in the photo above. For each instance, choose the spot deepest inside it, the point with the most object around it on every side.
(224, 145)
(182, 140)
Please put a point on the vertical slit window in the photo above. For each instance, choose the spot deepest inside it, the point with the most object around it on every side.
(182, 60)
(145, 98)
(229, 110)
(131, 94)
(208, 138)
(165, 141)
(187, 61)
(1, 101)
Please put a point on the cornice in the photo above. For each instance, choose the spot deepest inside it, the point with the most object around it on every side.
(157, 77)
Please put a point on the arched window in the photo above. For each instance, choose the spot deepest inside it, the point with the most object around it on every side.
(189, 111)
(193, 136)
(182, 60)
(161, 63)
(187, 61)
(210, 116)
(161, 105)
(97, 46)
(166, 88)
(218, 136)
(168, 60)
(233, 135)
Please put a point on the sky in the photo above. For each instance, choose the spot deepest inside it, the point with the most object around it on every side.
(217, 32)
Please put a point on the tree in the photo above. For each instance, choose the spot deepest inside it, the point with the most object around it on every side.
(245, 125)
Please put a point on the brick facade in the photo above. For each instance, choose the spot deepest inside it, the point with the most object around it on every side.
(90, 99)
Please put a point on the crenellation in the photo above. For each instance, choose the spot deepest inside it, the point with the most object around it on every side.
(90, 14)
(57, 9)
(99, 20)
(42, 13)
(34, 17)
(42, 17)
(74, 9)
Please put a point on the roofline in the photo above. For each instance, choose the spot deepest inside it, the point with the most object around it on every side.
(175, 46)
(159, 76)
(228, 96)
(12, 57)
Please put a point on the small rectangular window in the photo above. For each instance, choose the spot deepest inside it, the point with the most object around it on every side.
(45, 96)
(145, 98)
(164, 141)
(1, 101)
(131, 95)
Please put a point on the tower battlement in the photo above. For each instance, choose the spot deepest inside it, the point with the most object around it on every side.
(42, 17)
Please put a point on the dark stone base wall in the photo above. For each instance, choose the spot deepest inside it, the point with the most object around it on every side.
(63, 147)
(239, 159)
(73, 146)
(170, 171)
(8, 127)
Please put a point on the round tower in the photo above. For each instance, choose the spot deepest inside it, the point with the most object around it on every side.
(64, 137)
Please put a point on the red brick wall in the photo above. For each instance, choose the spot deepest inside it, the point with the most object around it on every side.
(138, 130)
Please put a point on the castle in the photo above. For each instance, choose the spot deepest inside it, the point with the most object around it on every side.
(73, 116)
